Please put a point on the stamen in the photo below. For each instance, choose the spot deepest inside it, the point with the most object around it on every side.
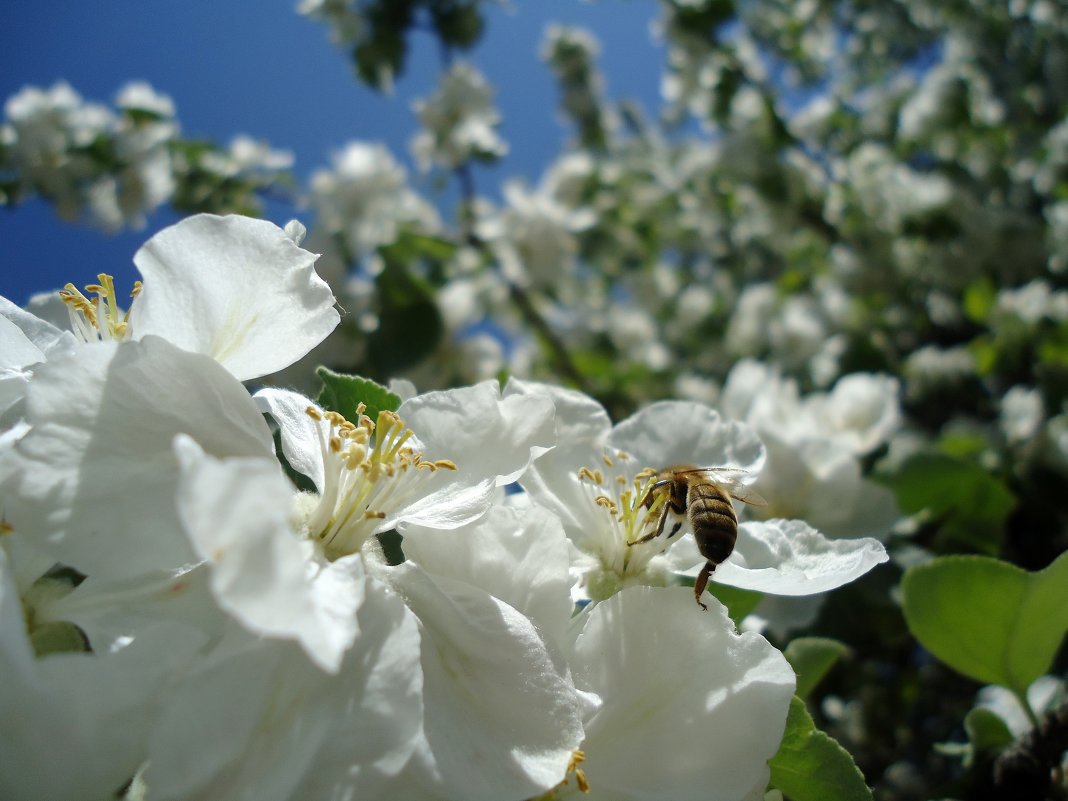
(98, 318)
(371, 468)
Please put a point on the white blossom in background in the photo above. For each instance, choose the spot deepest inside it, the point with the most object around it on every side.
(814, 444)
(343, 17)
(1042, 697)
(47, 134)
(534, 236)
(365, 199)
(42, 131)
(930, 369)
(1022, 414)
(459, 121)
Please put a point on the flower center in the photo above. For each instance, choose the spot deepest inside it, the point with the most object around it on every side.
(619, 491)
(371, 471)
(98, 318)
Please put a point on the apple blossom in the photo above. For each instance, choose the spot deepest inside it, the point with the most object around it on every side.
(598, 477)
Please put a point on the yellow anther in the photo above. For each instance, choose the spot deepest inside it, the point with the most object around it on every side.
(6, 528)
(445, 464)
(313, 413)
(374, 515)
(607, 460)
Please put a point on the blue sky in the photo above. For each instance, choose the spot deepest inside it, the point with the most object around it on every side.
(258, 67)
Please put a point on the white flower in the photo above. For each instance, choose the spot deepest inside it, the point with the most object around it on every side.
(1042, 695)
(598, 478)
(689, 708)
(96, 471)
(255, 719)
(459, 121)
(233, 288)
(75, 724)
(1021, 414)
(534, 237)
(365, 199)
(667, 689)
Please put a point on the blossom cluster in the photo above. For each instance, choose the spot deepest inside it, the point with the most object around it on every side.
(202, 593)
(115, 167)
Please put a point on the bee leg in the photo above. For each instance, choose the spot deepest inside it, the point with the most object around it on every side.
(659, 530)
(701, 583)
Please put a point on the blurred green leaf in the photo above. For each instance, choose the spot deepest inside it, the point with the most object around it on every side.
(979, 299)
(971, 505)
(409, 321)
(343, 394)
(987, 619)
(986, 730)
(811, 658)
(812, 766)
(739, 602)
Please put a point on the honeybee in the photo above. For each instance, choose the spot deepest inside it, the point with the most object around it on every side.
(701, 495)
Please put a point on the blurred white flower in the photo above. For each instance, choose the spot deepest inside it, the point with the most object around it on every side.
(365, 199)
(459, 121)
(534, 236)
(1021, 414)
(1041, 695)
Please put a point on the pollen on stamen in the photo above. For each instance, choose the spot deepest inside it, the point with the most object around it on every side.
(577, 758)
(595, 476)
(98, 318)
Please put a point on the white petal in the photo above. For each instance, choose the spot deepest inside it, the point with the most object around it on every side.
(233, 288)
(299, 433)
(237, 515)
(45, 337)
(789, 557)
(494, 696)
(484, 432)
(582, 428)
(93, 481)
(16, 349)
(681, 432)
(259, 721)
(75, 724)
(692, 710)
(519, 556)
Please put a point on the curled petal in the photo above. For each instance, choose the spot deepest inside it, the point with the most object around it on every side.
(102, 422)
(789, 557)
(681, 432)
(233, 288)
(236, 513)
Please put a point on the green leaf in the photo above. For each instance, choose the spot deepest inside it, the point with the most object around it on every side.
(409, 321)
(987, 619)
(811, 658)
(812, 766)
(971, 504)
(979, 299)
(986, 730)
(343, 393)
(739, 602)
(58, 638)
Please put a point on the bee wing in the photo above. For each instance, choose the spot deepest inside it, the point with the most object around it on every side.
(731, 479)
(747, 495)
